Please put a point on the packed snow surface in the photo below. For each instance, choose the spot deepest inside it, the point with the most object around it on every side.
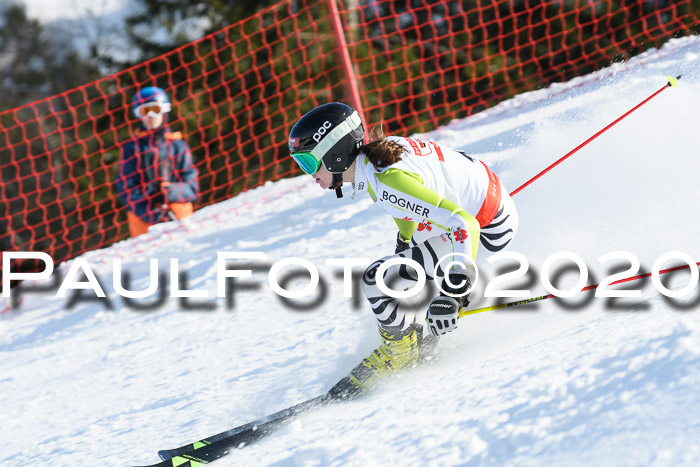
(579, 381)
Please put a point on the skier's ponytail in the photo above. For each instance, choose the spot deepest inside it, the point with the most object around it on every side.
(381, 151)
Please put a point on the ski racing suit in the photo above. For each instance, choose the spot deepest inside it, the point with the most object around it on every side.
(447, 203)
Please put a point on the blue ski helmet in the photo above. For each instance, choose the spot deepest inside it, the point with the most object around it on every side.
(150, 95)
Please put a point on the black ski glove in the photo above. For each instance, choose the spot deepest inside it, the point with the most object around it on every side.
(401, 244)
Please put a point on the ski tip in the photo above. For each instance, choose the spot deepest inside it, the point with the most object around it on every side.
(673, 81)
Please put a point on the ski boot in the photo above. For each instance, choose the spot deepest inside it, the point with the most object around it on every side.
(399, 350)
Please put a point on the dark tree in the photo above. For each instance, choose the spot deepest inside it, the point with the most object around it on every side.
(163, 25)
(34, 65)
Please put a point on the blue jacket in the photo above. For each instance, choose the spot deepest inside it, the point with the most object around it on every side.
(150, 158)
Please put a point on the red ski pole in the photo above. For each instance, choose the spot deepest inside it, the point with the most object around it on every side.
(671, 82)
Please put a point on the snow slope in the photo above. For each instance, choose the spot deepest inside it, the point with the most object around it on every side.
(582, 381)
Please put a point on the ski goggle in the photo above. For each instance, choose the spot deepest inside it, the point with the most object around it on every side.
(307, 162)
(147, 109)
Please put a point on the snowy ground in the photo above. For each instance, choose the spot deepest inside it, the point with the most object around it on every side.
(586, 381)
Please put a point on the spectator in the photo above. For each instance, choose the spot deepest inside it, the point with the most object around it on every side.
(156, 179)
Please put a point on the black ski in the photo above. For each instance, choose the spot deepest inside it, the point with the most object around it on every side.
(209, 449)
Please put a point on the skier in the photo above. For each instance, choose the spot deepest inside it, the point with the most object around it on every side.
(444, 202)
(156, 174)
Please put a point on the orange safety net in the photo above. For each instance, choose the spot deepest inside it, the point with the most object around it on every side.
(236, 94)
(421, 64)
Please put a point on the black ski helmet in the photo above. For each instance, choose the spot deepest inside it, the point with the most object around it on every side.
(332, 133)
